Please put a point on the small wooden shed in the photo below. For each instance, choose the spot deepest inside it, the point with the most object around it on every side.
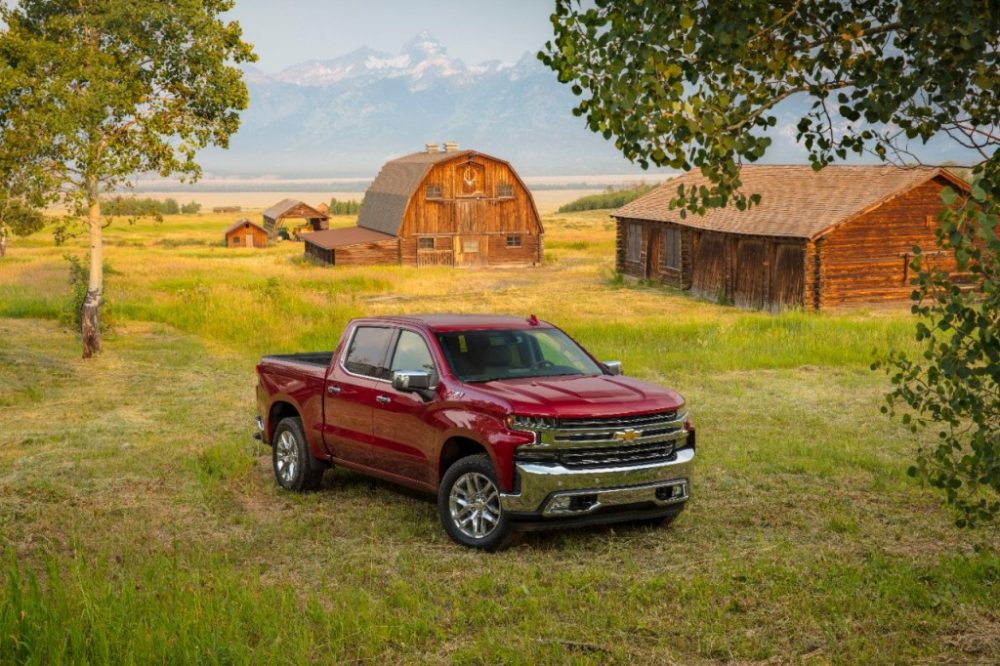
(244, 233)
(445, 207)
(352, 246)
(275, 216)
(841, 235)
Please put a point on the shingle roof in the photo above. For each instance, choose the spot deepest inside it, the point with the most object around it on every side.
(334, 238)
(239, 223)
(795, 200)
(284, 206)
(385, 201)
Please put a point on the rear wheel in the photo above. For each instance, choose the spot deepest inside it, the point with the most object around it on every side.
(469, 505)
(292, 461)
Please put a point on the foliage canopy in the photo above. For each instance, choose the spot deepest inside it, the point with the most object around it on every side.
(696, 85)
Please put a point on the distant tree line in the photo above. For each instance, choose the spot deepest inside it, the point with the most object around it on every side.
(350, 207)
(612, 197)
(136, 207)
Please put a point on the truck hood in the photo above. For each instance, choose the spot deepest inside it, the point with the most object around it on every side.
(579, 397)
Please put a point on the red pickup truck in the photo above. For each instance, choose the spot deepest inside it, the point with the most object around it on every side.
(509, 421)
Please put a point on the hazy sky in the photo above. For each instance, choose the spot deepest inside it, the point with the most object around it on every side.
(473, 30)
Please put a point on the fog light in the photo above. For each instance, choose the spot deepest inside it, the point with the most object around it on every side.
(560, 503)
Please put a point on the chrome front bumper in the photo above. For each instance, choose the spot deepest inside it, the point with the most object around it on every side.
(552, 490)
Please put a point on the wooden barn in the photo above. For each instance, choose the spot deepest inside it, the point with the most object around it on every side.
(244, 233)
(839, 236)
(275, 216)
(445, 207)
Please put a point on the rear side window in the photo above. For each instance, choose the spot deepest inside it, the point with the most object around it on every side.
(366, 356)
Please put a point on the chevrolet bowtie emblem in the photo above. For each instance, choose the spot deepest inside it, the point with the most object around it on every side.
(627, 435)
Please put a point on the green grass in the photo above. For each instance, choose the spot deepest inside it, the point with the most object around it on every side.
(139, 522)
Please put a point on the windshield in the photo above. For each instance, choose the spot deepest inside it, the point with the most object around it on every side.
(482, 356)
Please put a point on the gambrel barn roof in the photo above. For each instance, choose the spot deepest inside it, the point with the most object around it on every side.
(387, 198)
(796, 201)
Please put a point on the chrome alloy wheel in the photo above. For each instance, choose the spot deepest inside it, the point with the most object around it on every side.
(474, 503)
(287, 458)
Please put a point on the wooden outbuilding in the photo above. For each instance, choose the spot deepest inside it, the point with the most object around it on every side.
(244, 233)
(446, 207)
(838, 236)
(275, 216)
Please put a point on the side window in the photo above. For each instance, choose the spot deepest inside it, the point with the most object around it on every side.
(411, 353)
(672, 248)
(425, 243)
(433, 191)
(366, 355)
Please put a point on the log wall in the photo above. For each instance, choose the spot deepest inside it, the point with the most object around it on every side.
(866, 259)
(366, 254)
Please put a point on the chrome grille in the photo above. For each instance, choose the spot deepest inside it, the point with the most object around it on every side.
(618, 456)
(615, 432)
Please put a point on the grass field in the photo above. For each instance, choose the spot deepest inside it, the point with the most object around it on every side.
(140, 524)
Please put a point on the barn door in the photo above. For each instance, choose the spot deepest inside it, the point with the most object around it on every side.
(471, 249)
(249, 242)
(654, 253)
(708, 270)
(788, 280)
(750, 281)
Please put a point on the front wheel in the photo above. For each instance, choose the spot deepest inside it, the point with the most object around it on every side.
(469, 505)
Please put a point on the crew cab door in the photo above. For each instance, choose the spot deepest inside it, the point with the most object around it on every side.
(352, 385)
(403, 431)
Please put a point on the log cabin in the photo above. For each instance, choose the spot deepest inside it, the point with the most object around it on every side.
(840, 236)
(244, 233)
(438, 207)
(275, 216)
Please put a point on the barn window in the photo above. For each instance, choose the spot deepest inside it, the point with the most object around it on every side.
(505, 190)
(633, 238)
(236, 240)
(470, 246)
(672, 248)
(433, 191)
(425, 243)
(513, 240)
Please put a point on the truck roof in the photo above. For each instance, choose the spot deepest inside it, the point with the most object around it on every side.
(443, 323)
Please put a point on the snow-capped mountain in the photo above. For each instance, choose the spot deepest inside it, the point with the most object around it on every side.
(345, 116)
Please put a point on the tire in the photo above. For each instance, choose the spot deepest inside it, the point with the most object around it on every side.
(472, 480)
(292, 461)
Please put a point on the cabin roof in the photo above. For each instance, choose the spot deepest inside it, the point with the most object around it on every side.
(796, 201)
(239, 223)
(334, 238)
(385, 201)
(286, 206)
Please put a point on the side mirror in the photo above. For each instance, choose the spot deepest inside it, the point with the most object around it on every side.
(613, 367)
(412, 380)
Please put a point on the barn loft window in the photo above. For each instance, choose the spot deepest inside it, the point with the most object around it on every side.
(433, 191)
(633, 240)
(505, 190)
(513, 240)
(425, 243)
(672, 248)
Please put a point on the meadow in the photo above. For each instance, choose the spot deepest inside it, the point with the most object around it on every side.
(139, 522)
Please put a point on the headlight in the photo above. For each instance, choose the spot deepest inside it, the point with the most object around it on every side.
(530, 423)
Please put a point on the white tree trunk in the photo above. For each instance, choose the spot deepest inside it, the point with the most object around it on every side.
(90, 322)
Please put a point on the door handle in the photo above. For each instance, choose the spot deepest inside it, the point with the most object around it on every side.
(333, 390)
(383, 400)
